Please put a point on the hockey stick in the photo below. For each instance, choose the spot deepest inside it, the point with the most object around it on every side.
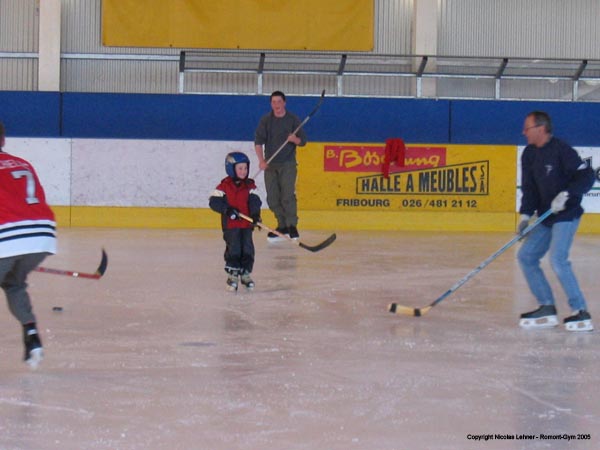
(95, 276)
(312, 248)
(407, 311)
(306, 119)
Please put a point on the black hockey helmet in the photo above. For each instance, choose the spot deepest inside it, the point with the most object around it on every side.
(234, 158)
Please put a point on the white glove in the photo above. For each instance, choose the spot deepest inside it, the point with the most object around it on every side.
(558, 204)
(524, 223)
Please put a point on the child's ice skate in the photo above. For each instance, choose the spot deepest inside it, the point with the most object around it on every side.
(247, 281)
(543, 317)
(232, 281)
(579, 321)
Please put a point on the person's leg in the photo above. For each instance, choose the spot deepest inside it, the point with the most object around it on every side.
(247, 246)
(274, 195)
(233, 256)
(13, 273)
(288, 201)
(562, 239)
(247, 258)
(533, 248)
(13, 276)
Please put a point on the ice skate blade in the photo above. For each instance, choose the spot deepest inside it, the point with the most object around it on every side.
(275, 240)
(542, 322)
(249, 286)
(35, 358)
(231, 288)
(581, 325)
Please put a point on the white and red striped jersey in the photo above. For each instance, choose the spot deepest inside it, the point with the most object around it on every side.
(27, 223)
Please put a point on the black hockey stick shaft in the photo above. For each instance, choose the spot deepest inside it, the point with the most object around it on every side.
(306, 119)
(405, 310)
(312, 248)
(95, 276)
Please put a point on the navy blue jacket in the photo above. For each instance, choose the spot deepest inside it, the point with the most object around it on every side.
(551, 169)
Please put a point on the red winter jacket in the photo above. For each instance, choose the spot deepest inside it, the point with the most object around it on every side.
(239, 194)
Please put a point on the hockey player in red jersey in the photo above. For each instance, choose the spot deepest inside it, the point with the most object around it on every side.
(27, 236)
(234, 195)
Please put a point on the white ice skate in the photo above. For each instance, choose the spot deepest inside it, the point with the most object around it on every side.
(35, 358)
(543, 317)
(579, 321)
(34, 352)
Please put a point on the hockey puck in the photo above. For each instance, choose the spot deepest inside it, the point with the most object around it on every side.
(57, 308)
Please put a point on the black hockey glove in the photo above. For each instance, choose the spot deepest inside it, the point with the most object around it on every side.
(256, 220)
(232, 213)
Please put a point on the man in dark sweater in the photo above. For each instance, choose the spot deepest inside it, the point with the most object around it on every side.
(275, 129)
(553, 176)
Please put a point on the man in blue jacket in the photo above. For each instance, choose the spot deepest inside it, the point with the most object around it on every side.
(553, 177)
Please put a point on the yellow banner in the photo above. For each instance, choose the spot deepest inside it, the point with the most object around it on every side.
(343, 25)
(345, 177)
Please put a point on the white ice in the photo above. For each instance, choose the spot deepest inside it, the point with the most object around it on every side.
(158, 355)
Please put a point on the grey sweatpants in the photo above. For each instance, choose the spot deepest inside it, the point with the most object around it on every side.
(13, 281)
(280, 183)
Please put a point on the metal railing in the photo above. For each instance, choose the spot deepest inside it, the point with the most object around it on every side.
(498, 72)
(367, 74)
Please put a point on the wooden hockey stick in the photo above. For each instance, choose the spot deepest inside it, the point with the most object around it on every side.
(418, 312)
(95, 276)
(306, 119)
(312, 248)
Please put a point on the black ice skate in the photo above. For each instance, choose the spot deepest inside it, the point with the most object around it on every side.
(232, 281)
(272, 237)
(293, 232)
(247, 281)
(33, 346)
(579, 321)
(543, 317)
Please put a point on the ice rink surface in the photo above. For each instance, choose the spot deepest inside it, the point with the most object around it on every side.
(157, 355)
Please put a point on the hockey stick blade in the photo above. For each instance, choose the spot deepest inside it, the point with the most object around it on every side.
(94, 276)
(315, 248)
(418, 312)
(311, 248)
(395, 308)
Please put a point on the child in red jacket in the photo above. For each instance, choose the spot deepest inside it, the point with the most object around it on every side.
(234, 195)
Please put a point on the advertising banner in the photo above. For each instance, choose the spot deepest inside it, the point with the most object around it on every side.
(434, 178)
(240, 24)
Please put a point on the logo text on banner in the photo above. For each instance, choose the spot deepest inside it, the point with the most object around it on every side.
(365, 158)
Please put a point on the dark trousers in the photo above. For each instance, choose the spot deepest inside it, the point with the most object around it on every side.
(239, 250)
(280, 184)
(13, 276)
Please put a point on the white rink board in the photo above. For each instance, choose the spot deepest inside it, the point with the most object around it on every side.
(591, 200)
(149, 173)
(130, 173)
(51, 159)
(161, 173)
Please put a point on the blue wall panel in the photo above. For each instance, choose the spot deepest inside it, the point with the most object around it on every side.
(501, 122)
(222, 117)
(234, 118)
(376, 119)
(30, 114)
(145, 116)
